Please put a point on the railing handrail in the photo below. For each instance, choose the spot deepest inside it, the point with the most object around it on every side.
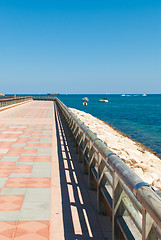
(15, 100)
(143, 192)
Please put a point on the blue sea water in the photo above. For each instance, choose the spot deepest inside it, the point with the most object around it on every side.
(137, 116)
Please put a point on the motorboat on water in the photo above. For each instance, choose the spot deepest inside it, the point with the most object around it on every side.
(144, 95)
(84, 103)
(123, 95)
(103, 100)
(85, 99)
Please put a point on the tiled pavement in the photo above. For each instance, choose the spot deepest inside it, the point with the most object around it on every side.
(40, 194)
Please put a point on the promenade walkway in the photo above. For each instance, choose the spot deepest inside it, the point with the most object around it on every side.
(43, 194)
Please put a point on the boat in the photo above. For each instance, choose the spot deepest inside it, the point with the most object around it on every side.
(52, 93)
(103, 100)
(85, 99)
(85, 103)
(144, 95)
(123, 95)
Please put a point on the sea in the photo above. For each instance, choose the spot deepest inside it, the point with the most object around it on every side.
(135, 115)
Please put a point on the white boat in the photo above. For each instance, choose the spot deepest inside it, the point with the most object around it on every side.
(123, 95)
(85, 103)
(85, 99)
(144, 95)
(103, 100)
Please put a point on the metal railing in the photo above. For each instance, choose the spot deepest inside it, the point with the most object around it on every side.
(132, 204)
(44, 98)
(9, 101)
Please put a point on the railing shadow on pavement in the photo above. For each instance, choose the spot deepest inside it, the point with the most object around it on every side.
(78, 203)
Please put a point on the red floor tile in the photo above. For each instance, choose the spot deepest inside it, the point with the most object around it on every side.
(22, 140)
(37, 132)
(7, 164)
(34, 159)
(32, 230)
(34, 140)
(7, 228)
(15, 129)
(28, 182)
(39, 145)
(4, 174)
(6, 168)
(30, 151)
(41, 136)
(11, 202)
(9, 135)
(16, 151)
(4, 145)
(27, 132)
(23, 169)
(2, 155)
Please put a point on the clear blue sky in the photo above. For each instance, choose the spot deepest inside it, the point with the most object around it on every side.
(80, 46)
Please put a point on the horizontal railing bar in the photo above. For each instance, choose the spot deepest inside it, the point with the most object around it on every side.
(9, 101)
(12, 99)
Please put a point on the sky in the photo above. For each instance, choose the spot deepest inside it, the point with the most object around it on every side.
(80, 46)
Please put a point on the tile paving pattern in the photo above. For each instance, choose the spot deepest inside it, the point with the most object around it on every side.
(40, 195)
(24, 193)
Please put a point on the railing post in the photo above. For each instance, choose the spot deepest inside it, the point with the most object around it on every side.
(84, 155)
(117, 206)
(90, 166)
(76, 140)
(100, 206)
(80, 147)
(71, 131)
(147, 222)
